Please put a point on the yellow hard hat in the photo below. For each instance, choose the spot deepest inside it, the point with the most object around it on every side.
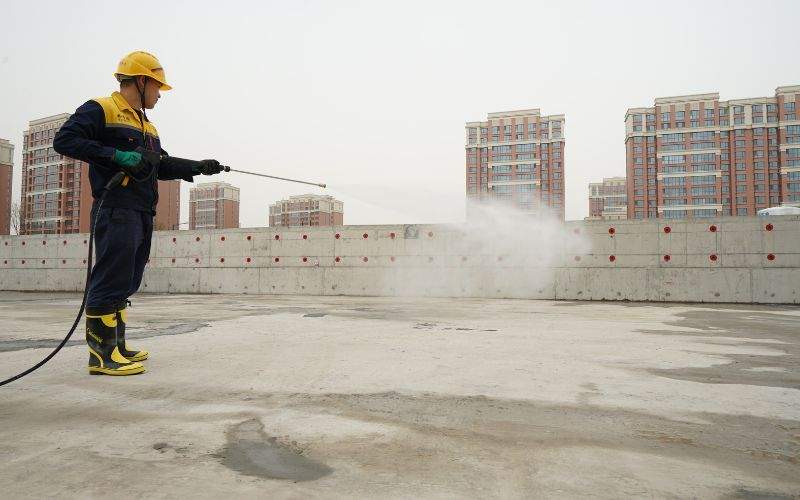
(141, 63)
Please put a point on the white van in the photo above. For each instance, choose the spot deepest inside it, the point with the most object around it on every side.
(766, 212)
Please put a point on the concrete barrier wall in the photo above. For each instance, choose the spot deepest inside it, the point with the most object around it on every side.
(746, 260)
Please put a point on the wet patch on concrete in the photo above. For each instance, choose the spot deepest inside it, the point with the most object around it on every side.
(132, 332)
(745, 494)
(773, 330)
(250, 451)
(758, 447)
(424, 326)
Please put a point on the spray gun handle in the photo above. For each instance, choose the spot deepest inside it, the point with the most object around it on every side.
(115, 181)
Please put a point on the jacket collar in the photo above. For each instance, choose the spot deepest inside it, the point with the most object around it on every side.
(122, 104)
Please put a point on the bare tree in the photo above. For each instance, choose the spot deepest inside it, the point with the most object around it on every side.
(16, 218)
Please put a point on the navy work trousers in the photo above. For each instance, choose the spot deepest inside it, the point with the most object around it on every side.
(122, 247)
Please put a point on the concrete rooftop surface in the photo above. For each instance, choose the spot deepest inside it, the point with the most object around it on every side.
(342, 397)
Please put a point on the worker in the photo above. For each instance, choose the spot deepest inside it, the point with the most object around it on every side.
(113, 134)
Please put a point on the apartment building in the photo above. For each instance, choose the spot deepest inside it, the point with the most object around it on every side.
(214, 205)
(306, 210)
(517, 157)
(6, 175)
(696, 156)
(608, 199)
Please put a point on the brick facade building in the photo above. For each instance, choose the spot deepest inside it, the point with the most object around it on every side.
(608, 199)
(696, 156)
(213, 205)
(307, 210)
(517, 157)
(6, 175)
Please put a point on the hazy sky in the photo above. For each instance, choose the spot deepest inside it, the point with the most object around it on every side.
(371, 97)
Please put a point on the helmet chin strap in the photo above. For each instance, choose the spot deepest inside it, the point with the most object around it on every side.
(144, 113)
(141, 95)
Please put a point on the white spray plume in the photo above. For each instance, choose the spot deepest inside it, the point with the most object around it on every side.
(500, 251)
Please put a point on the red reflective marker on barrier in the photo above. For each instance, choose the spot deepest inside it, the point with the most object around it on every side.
(173, 261)
(222, 238)
(305, 236)
(247, 260)
(769, 227)
(713, 257)
(365, 236)
(337, 259)
(222, 259)
(23, 243)
(391, 258)
(305, 259)
(392, 235)
(65, 242)
(277, 236)
(196, 260)
(611, 230)
(249, 237)
(667, 258)
(667, 229)
(337, 236)
(365, 259)
(612, 258)
(771, 256)
(197, 239)
(174, 240)
(277, 259)
(712, 228)
(23, 261)
(63, 261)
(42, 261)
(44, 242)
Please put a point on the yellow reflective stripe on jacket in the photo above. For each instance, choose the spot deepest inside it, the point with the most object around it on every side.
(118, 113)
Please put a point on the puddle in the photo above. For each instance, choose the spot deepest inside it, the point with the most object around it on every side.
(747, 494)
(250, 451)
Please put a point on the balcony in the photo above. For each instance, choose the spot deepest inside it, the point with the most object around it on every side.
(661, 175)
(516, 182)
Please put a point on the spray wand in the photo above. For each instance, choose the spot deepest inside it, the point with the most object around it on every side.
(229, 169)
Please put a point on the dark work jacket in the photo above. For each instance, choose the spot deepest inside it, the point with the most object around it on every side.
(92, 134)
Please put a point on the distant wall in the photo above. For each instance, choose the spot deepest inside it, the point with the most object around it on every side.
(746, 260)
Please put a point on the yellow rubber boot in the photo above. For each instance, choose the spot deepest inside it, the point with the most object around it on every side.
(129, 354)
(104, 355)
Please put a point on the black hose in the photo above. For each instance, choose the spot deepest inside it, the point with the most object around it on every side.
(112, 183)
